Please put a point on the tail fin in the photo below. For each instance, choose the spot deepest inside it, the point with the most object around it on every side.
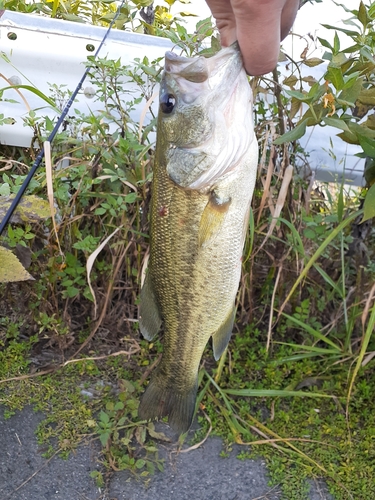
(160, 401)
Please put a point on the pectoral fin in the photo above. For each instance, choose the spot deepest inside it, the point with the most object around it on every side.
(149, 314)
(212, 218)
(222, 336)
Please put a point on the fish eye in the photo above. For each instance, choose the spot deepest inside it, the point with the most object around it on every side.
(167, 103)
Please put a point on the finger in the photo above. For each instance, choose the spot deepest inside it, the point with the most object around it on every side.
(258, 26)
(225, 20)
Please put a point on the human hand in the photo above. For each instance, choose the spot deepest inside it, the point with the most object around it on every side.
(258, 26)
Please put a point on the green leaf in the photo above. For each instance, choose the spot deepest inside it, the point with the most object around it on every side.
(130, 198)
(327, 56)
(338, 60)
(367, 54)
(298, 95)
(309, 233)
(371, 11)
(104, 417)
(104, 437)
(11, 268)
(296, 236)
(368, 146)
(325, 43)
(72, 291)
(293, 135)
(336, 43)
(369, 171)
(140, 463)
(5, 189)
(151, 467)
(329, 280)
(351, 91)
(369, 205)
(316, 92)
(360, 131)
(347, 32)
(352, 48)
(334, 75)
(367, 96)
(100, 211)
(336, 122)
(362, 15)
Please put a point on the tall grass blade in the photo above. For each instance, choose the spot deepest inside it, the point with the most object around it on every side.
(318, 253)
(296, 236)
(312, 348)
(274, 393)
(365, 340)
(250, 235)
(329, 280)
(35, 91)
(312, 331)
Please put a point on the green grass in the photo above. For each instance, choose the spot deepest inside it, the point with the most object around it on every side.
(299, 437)
(314, 436)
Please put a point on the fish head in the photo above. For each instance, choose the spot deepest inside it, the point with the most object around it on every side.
(205, 117)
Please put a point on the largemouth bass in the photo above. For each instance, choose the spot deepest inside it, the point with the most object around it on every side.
(204, 174)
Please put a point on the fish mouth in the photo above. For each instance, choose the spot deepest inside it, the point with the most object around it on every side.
(228, 62)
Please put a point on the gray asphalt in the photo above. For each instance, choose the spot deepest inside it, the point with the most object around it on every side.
(200, 474)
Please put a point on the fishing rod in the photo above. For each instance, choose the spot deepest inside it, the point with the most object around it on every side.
(52, 135)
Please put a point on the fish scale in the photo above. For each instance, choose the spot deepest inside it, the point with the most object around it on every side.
(197, 233)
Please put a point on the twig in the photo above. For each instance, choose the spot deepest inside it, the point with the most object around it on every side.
(197, 445)
(265, 497)
(149, 370)
(70, 361)
(49, 180)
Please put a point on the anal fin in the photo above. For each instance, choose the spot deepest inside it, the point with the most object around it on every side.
(222, 336)
(149, 314)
